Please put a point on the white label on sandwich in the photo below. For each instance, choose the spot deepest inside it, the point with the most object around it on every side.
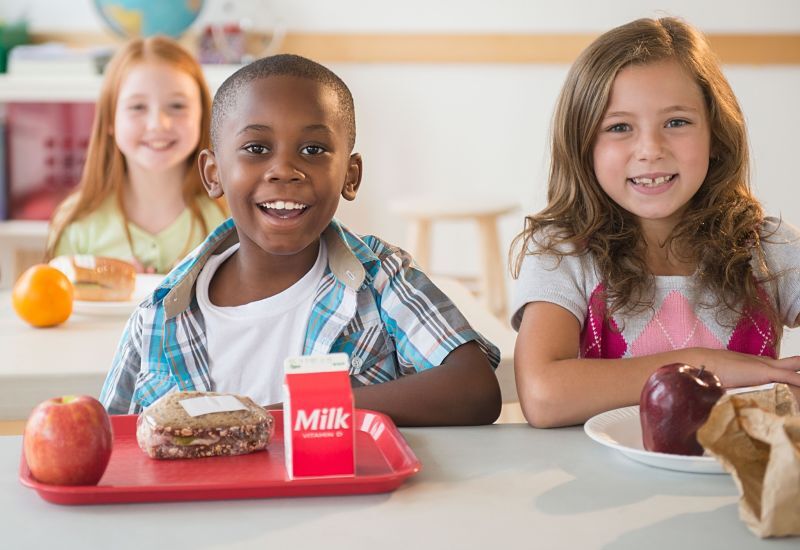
(197, 406)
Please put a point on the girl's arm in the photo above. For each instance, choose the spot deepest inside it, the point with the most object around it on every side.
(556, 388)
(463, 390)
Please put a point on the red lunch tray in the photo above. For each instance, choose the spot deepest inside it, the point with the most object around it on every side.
(383, 461)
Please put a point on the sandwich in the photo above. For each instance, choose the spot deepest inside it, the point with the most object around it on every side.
(216, 424)
(98, 279)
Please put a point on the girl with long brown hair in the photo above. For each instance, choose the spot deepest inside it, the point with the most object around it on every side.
(140, 198)
(652, 248)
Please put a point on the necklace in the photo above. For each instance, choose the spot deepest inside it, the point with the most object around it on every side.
(145, 266)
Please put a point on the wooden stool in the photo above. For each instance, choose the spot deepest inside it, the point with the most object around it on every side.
(423, 211)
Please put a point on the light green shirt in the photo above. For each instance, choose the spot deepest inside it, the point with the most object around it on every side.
(102, 233)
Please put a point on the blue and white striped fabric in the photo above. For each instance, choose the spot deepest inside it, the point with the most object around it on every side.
(372, 303)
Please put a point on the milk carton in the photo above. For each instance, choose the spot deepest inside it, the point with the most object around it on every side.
(318, 416)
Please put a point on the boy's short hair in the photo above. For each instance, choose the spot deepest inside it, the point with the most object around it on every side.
(281, 65)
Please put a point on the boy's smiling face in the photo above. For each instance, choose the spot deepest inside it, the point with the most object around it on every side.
(282, 161)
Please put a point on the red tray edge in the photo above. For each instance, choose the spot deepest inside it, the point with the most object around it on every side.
(327, 486)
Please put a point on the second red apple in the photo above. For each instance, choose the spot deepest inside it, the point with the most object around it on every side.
(675, 401)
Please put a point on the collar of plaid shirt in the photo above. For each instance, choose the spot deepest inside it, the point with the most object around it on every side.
(348, 258)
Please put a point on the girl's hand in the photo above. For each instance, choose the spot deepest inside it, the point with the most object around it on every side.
(140, 268)
(740, 369)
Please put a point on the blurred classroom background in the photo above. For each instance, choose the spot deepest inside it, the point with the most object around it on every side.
(453, 103)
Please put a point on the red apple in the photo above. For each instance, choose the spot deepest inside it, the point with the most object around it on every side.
(68, 441)
(675, 401)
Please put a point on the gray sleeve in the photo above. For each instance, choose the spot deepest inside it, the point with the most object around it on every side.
(781, 243)
(543, 278)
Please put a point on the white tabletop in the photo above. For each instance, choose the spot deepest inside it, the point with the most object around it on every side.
(38, 363)
(494, 487)
(74, 358)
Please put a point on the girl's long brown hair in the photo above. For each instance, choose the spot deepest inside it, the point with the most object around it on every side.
(104, 171)
(721, 228)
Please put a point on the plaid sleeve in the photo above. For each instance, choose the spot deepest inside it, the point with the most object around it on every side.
(118, 388)
(424, 323)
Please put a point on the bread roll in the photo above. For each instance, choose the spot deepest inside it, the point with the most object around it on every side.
(98, 279)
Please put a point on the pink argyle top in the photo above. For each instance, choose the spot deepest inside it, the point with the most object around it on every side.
(677, 319)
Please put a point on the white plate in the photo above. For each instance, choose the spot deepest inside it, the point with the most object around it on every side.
(145, 284)
(746, 389)
(620, 429)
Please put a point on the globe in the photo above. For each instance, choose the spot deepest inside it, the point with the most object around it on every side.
(142, 18)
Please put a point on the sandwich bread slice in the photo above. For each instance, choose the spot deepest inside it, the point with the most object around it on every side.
(98, 279)
(167, 430)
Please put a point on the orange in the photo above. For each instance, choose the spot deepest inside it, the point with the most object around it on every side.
(42, 296)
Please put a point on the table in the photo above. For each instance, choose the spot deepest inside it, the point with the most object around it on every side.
(35, 364)
(74, 358)
(490, 487)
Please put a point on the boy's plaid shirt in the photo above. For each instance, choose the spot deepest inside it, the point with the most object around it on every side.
(371, 303)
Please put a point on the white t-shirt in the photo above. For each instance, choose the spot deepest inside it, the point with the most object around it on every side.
(247, 344)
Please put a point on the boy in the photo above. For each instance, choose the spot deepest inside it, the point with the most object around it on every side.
(283, 277)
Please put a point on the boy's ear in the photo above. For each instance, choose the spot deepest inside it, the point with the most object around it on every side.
(353, 179)
(209, 173)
